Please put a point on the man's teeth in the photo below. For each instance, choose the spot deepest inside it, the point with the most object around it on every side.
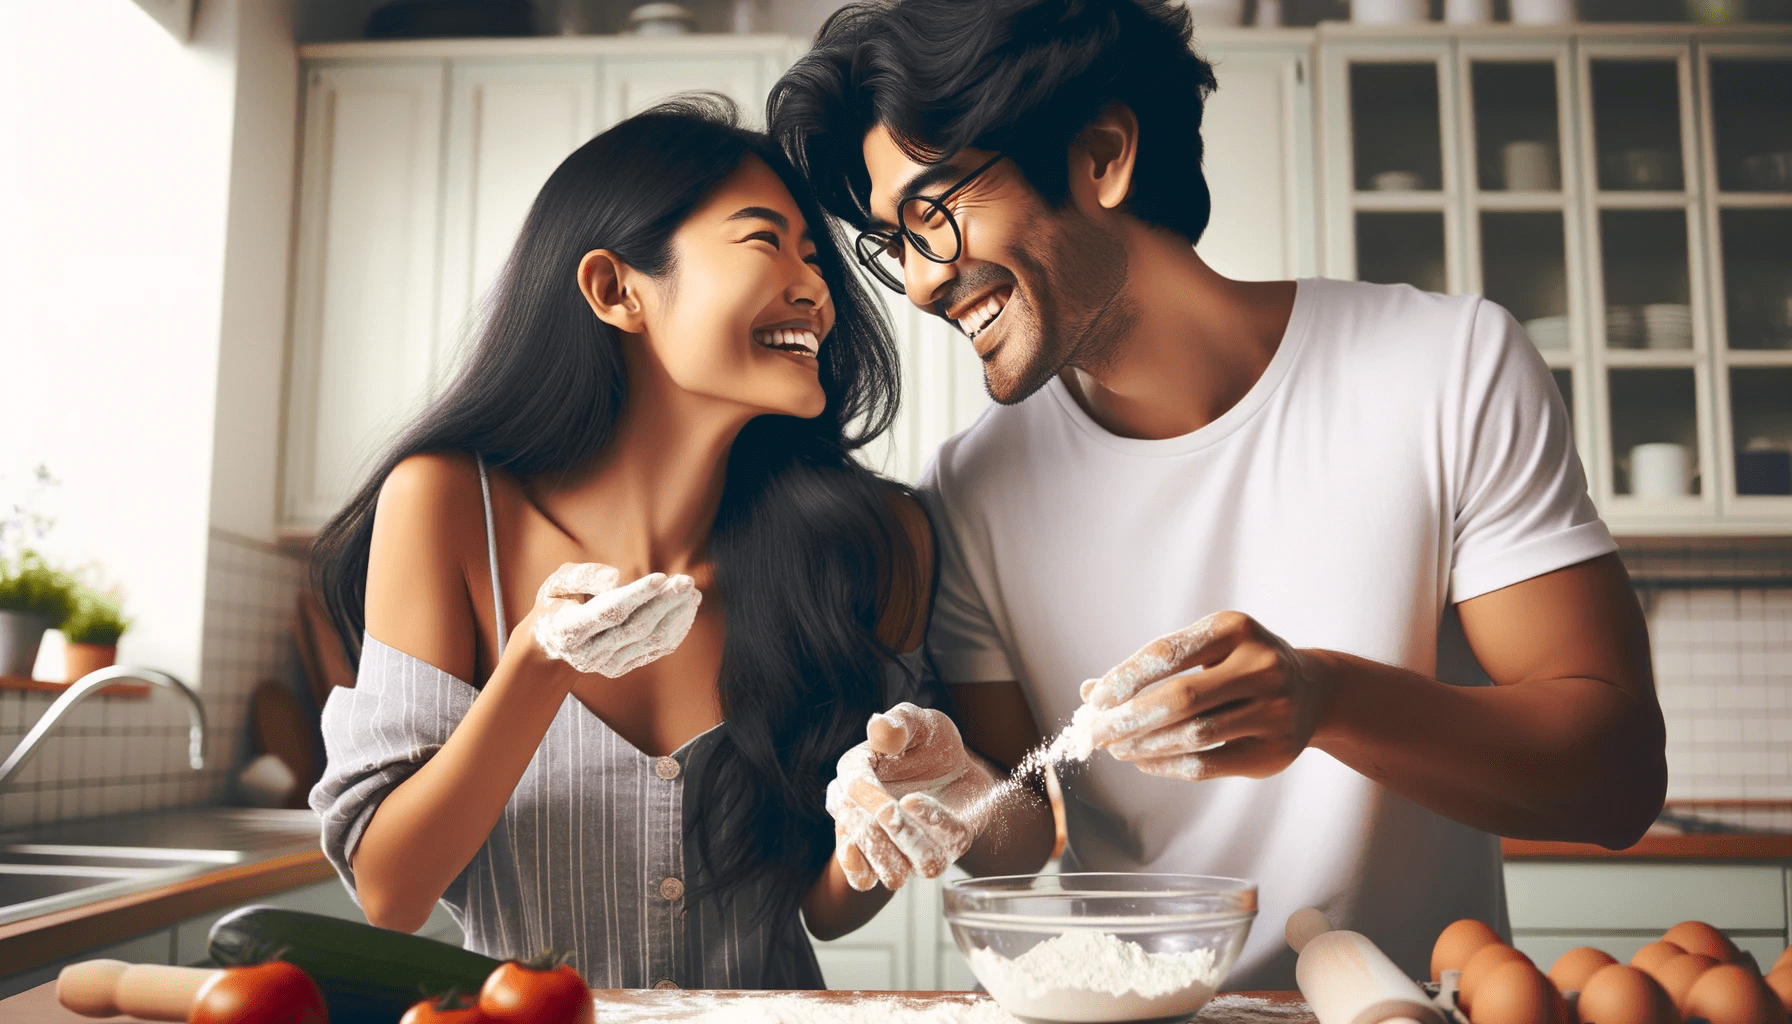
(789, 340)
(979, 318)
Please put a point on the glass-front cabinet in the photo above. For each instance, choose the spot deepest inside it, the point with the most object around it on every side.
(1627, 195)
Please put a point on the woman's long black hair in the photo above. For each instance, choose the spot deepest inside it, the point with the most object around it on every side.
(806, 547)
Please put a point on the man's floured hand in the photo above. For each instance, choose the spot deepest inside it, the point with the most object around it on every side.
(582, 617)
(1247, 705)
(909, 799)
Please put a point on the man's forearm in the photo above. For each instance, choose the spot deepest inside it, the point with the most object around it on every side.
(1575, 759)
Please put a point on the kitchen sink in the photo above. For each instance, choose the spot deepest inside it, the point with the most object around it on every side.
(38, 878)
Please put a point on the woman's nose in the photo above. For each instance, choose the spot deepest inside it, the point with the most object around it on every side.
(809, 288)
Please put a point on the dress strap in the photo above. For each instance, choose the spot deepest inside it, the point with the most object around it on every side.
(491, 552)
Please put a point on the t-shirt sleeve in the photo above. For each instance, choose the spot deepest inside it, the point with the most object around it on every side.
(961, 636)
(1521, 500)
(399, 713)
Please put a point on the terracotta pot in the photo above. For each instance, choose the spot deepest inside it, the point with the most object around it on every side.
(84, 658)
(20, 635)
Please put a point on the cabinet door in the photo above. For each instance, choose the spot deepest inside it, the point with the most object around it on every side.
(364, 279)
(877, 955)
(1391, 182)
(1256, 133)
(510, 123)
(632, 84)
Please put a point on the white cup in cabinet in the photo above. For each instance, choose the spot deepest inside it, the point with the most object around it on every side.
(1530, 166)
(1660, 470)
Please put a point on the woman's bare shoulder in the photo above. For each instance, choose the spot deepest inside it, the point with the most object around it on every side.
(429, 517)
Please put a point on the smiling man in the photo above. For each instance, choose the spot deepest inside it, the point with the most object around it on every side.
(1234, 518)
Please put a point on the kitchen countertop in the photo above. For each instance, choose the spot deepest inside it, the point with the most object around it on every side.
(627, 1006)
(278, 850)
(1719, 846)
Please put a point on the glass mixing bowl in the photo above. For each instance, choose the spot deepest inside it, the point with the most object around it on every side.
(1098, 947)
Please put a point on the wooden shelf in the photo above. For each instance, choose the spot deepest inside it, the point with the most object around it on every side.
(118, 689)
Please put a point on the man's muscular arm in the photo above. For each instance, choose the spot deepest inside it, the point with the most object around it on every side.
(1568, 745)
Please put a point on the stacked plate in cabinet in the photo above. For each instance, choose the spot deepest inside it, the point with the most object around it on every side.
(1623, 327)
(1667, 325)
(1548, 331)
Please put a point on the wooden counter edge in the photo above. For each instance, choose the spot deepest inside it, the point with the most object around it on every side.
(64, 933)
(1686, 847)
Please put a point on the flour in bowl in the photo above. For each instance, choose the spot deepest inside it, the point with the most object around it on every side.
(1085, 975)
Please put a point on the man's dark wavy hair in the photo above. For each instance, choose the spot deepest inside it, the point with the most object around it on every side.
(1019, 77)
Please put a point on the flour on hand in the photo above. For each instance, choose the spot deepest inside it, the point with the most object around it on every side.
(586, 620)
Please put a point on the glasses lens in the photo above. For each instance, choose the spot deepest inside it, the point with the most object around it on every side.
(882, 255)
(931, 229)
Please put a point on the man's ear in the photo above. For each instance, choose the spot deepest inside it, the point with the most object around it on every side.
(1103, 156)
(613, 289)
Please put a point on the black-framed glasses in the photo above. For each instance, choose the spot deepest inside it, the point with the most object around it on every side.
(924, 224)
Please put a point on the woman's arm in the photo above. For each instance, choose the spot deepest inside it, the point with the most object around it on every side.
(430, 826)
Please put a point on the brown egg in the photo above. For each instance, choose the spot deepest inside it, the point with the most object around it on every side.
(1699, 937)
(1780, 982)
(1457, 943)
(1676, 975)
(1624, 995)
(1654, 954)
(1513, 992)
(1480, 966)
(1785, 960)
(1574, 967)
(1731, 994)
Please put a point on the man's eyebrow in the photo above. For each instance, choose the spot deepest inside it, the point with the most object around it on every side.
(931, 176)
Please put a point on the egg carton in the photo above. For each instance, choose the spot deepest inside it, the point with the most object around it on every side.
(1443, 996)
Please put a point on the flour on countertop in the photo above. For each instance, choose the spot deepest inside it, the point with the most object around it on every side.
(780, 1008)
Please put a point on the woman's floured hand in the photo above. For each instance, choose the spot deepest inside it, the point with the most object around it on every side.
(586, 619)
(909, 799)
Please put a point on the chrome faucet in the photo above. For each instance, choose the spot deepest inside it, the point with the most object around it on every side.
(91, 683)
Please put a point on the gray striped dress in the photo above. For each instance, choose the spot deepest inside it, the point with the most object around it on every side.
(590, 855)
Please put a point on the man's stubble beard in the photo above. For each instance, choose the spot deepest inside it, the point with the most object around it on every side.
(1076, 314)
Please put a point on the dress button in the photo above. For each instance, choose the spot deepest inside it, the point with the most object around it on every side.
(665, 983)
(672, 889)
(666, 768)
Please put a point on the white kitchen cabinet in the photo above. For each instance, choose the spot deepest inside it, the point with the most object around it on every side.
(1619, 906)
(1642, 238)
(510, 124)
(364, 290)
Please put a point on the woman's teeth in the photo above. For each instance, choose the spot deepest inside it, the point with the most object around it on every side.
(978, 320)
(790, 340)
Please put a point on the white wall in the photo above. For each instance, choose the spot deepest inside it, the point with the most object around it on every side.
(116, 205)
(258, 246)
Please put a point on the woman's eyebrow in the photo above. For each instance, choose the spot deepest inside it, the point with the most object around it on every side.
(765, 213)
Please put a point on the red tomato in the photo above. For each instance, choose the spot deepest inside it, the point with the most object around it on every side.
(449, 1009)
(516, 992)
(272, 993)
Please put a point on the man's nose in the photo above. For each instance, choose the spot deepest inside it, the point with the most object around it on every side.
(924, 279)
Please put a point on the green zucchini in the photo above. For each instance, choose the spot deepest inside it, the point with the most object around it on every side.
(368, 975)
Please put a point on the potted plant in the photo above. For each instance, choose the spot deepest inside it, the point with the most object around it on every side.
(33, 598)
(91, 630)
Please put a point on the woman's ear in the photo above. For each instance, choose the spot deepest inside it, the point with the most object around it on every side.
(1104, 155)
(613, 289)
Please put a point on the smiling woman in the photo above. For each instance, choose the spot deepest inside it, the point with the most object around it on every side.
(645, 466)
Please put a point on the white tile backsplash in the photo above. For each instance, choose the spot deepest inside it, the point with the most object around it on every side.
(117, 754)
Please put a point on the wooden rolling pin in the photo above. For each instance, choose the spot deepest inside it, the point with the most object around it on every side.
(107, 988)
(1347, 980)
(270, 993)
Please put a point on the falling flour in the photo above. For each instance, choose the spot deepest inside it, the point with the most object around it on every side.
(1075, 742)
(1085, 975)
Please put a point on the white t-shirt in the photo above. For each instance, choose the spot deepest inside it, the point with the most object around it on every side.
(1403, 451)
